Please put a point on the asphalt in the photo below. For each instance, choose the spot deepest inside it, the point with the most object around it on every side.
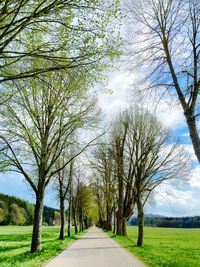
(95, 249)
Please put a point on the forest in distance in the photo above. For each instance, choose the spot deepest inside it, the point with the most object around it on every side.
(15, 211)
(168, 222)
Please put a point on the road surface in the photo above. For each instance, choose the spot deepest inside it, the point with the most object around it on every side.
(95, 249)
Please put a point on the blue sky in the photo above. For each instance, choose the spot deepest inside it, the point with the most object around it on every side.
(174, 199)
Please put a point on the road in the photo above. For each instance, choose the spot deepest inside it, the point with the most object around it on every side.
(95, 249)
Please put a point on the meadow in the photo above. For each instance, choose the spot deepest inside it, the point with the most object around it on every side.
(15, 245)
(165, 247)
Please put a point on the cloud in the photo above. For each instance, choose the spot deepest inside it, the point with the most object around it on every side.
(195, 178)
(190, 151)
(123, 93)
(171, 200)
(117, 98)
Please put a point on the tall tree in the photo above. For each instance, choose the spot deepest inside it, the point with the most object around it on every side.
(153, 156)
(121, 153)
(103, 165)
(38, 123)
(63, 182)
(168, 48)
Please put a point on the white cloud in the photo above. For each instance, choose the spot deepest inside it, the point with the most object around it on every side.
(123, 94)
(170, 200)
(195, 178)
(190, 151)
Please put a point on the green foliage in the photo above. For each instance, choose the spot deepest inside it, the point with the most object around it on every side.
(15, 246)
(3, 211)
(17, 215)
(164, 247)
(57, 218)
(14, 206)
(39, 36)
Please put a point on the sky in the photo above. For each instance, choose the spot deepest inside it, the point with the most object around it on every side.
(170, 199)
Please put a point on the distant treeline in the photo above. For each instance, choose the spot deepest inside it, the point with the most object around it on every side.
(174, 222)
(16, 211)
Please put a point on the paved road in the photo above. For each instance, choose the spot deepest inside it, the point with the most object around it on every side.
(95, 249)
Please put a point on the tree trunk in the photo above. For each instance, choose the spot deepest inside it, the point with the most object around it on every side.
(80, 221)
(193, 134)
(69, 219)
(86, 222)
(120, 209)
(140, 241)
(75, 222)
(108, 226)
(114, 221)
(37, 224)
(119, 224)
(62, 217)
(124, 227)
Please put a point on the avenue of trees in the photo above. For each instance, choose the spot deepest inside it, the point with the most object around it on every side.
(53, 54)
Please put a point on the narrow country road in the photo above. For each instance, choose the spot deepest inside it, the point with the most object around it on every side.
(95, 249)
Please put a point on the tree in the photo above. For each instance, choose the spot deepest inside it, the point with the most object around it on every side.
(98, 193)
(17, 215)
(42, 36)
(3, 211)
(85, 203)
(153, 155)
(124, 172)
(39, 122)
(168, 48)
(63, 186)
(103, 165)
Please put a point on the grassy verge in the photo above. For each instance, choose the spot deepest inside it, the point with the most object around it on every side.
(164, 247)
(15, 245)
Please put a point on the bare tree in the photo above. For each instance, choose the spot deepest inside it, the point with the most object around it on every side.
(38, 123)
(124, 172)
(63, 186)
(164, 39)
(103, 165)
(154, 158)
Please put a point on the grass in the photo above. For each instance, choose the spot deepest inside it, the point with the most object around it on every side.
(164, 247)
(15, 245)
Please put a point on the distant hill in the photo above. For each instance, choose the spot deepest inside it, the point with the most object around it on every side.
(174, 222)
(150, 215)
(16, 211)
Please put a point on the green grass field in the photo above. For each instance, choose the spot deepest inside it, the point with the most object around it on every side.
(15, 245)
(165, 247)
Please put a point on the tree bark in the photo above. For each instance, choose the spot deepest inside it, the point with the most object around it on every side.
(62, 217)
(140, 241)
(124, 227)
(75, 222)
(120, 208)
(114, 221)
(69, 219)
(193, 134)
(108, 226)
(37, 224)
(80, 221)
